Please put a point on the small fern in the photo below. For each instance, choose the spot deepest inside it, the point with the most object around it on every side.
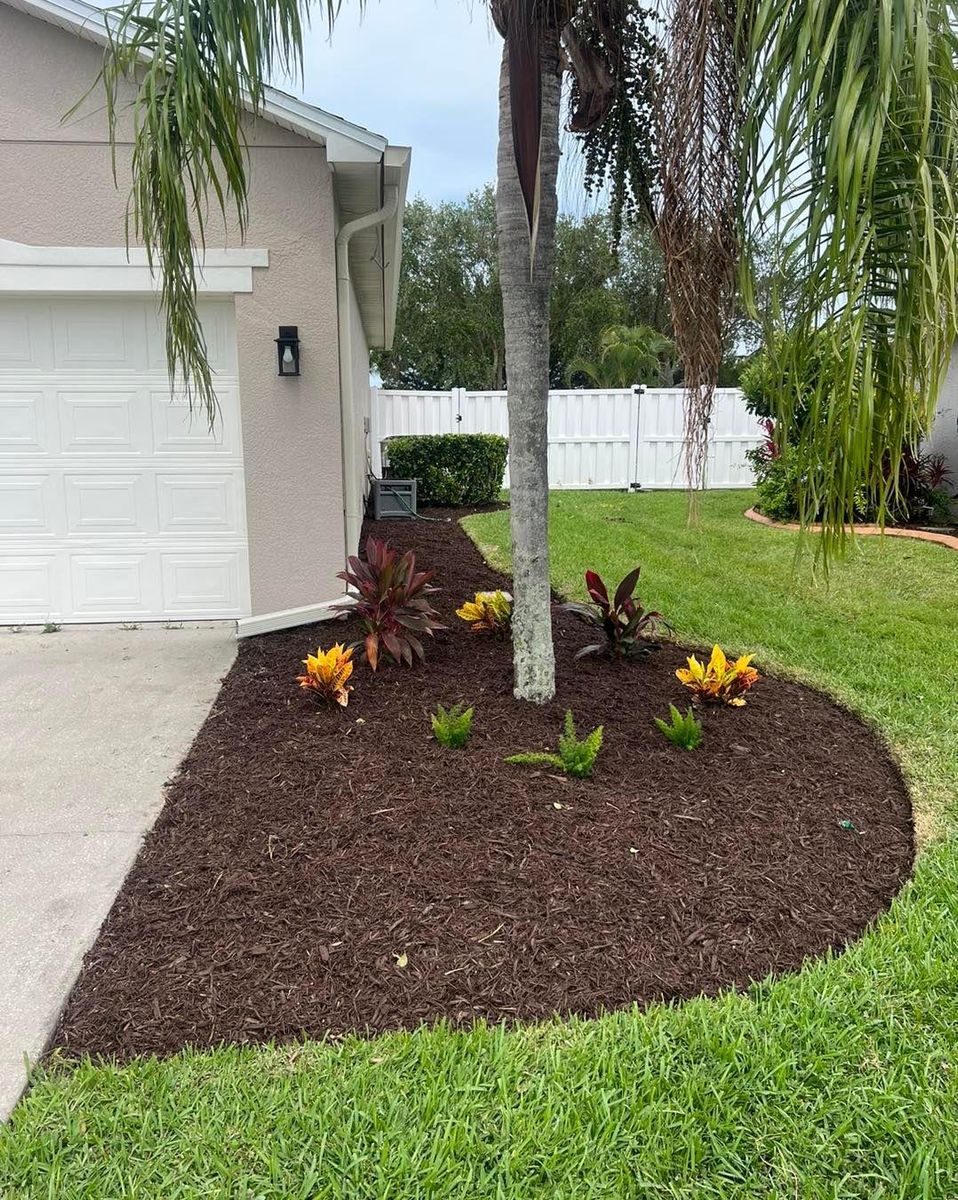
(684, 731)
(576, 757)
(452, 727)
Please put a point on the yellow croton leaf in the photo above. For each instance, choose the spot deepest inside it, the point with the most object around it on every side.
(470, 611)
(327, 673)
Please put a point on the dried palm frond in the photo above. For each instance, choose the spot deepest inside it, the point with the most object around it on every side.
(699, 118)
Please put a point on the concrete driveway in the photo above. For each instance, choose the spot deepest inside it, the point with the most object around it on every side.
(93, 721)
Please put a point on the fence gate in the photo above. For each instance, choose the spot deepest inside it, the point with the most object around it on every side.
(619, 438)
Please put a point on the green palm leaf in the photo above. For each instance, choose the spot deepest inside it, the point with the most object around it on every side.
(850, 155)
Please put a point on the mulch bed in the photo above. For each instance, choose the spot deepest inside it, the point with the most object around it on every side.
(306, 852)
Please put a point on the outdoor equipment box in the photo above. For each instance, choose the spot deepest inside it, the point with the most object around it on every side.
(393, 498)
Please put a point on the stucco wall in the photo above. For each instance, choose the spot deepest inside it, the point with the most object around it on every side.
(943, 438)
(56, 188)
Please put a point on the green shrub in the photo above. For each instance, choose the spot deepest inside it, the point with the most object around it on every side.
(452, 468)
(452, 727)
(684, 731)
(575, 757)
(777, 482)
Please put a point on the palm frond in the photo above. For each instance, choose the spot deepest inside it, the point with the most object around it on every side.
(851, 157)
(699, 120)
(196, 67)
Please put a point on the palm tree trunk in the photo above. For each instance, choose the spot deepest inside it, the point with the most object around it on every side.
(525, 302)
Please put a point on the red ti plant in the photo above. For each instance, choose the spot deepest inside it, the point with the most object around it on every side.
(626, 624)
(392, 602)
(770, 448)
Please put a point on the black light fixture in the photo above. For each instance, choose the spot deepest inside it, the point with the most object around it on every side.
(287, 350)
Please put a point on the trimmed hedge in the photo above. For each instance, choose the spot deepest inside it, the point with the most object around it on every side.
(452, 468)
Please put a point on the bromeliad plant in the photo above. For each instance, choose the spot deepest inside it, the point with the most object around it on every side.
(392, 603)
(490, 612)
(576, 757)
(327, 673)
(627, 626)
(721, 681)
(684, 731)
(452, 727)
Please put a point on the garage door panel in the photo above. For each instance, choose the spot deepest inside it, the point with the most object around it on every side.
(199, 504)
(107, 585)
(219, 329)
(107, 504)
(24, 428)
(27, 505)
(178, 430)
(30, 585)
(98, 421)
(26, 342)
(102, 336)
(202, 582)
(115, 503)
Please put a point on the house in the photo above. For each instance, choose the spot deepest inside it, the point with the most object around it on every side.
(943, 437)
(117, 503)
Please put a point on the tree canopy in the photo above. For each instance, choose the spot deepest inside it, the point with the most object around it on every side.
(449, 325)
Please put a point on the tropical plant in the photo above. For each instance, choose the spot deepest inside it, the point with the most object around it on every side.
(392, 603)
(719, 681)
(627, 626)
(833, 124)
(490, 612)
(681, 729)
(452, 727)
(629, 355)
(327, 673)
(575, 756)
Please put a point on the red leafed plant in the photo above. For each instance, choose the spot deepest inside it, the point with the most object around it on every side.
(627, 626)
(392, 602)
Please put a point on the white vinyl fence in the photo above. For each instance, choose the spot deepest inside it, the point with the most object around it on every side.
(597, 439)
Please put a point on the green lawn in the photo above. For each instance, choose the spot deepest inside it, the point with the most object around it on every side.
(840, 1082)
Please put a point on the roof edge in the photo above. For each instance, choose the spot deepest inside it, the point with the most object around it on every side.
(344, 141)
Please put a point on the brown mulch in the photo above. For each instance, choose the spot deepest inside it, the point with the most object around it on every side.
(306, 852)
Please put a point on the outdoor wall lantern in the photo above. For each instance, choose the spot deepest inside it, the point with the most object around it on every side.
(287, 349)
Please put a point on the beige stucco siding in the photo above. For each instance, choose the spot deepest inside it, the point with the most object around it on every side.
(56, 188)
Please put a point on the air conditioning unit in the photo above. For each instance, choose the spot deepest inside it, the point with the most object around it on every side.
(393, 498)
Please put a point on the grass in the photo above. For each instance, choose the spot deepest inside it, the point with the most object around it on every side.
(840, 1082)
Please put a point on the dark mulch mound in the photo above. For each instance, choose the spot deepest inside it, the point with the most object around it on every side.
(303, 849)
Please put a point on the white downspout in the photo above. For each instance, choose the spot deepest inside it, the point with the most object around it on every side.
(352, 487)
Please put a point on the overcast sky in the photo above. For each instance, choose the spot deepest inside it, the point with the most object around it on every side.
(424, 73)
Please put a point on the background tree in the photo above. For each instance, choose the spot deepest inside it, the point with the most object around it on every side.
(449, 327)
(449, 323)
(629, 355)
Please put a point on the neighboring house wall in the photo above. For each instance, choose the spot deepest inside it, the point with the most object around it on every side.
(943, 438)
(291, 427)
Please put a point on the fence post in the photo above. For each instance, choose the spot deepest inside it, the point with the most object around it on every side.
(634, 483)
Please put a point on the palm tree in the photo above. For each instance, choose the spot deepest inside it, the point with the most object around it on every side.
(832, 122)
(628, 355)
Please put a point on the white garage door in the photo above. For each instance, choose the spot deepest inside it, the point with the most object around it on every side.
(115, 504)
